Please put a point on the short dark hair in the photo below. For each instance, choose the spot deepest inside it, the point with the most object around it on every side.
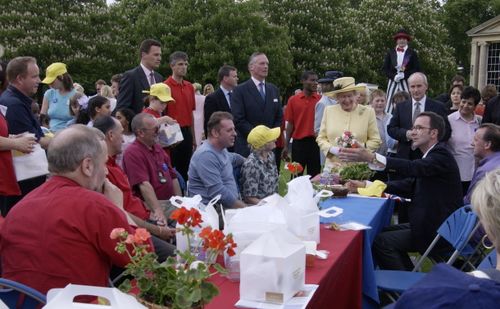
(18, 66)
(104, 124)
(146, 45)
(471, 92)
(129, 115)
(116, 78)
(436, 122)
(178, 55)
(94, 103)
(224, 71)
(215, 120)
(460, 87)
(458, 78)
(305, 75)
(400, 96)
(492, 135)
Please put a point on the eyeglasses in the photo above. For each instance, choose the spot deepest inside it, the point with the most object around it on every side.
(419, 128)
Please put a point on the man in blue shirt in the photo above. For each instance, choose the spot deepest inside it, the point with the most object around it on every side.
(23, 75)
(211, 168)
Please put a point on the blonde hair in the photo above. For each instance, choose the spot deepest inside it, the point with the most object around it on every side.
(486, 204)
(107, 91)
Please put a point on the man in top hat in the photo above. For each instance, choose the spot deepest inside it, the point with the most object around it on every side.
(326, 85)
(399, 63)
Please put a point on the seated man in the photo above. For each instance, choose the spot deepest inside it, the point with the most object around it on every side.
(433, 184)
(133, 205)
(148, 168)
(59, 233)
(211, 168)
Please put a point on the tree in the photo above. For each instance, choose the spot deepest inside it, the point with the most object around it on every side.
(214, 32)
(378, 26)
(82, 34)
(459, 16)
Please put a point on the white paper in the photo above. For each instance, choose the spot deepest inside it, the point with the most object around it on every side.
(294, 303)
(331, 212)
(353, 226)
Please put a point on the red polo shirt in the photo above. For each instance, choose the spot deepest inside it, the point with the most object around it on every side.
(59, 234)
(151, 112)
(8, 182)
(184, 105)
(143, 164)
(300, 112)
(131, 203)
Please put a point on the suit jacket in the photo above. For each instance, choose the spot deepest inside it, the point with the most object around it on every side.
(250, 110)
(410, 61)
(214, 102)
(401, 122)
(132, 84)
(434, 187)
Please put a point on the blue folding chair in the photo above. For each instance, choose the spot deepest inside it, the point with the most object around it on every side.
(490, 261)
(457, 229)
(18, 295)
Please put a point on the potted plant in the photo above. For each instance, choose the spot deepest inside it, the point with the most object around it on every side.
(176, 283)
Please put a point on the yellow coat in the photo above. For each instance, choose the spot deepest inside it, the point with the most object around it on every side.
(361, 122)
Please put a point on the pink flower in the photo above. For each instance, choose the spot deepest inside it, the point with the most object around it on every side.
(141, 236)
(130, 239)
(116, 232)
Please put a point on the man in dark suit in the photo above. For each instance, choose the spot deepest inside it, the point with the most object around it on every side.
(405, 113)
(399, 63)
(255, 102)
(433, 184)
(220, 100)
(134, 81)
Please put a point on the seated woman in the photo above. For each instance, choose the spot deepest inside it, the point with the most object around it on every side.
(360, 120)
(447, 287)
(259, 175)
(98, 106)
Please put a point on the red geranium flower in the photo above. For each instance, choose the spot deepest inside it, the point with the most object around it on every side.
(181, 215)
(141, 236)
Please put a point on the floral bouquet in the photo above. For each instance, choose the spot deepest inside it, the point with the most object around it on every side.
(174, 284)
(347, 140)
(294, 168)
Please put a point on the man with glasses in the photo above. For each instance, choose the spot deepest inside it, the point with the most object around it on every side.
(432, 183)
(148, 168)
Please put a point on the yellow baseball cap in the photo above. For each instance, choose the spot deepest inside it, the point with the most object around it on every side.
(53, 71)
(161, 91)
(261, 135)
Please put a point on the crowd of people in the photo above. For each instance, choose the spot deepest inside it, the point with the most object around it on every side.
(108, 169)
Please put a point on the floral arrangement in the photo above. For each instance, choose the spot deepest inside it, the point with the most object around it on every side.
(347, 140)
(175, 284)
(294, 168)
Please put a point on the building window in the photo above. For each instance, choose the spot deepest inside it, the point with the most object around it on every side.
(493, 70)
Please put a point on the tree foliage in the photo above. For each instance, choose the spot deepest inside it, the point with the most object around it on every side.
(82, 34)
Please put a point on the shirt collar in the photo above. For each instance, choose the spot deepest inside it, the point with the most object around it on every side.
(224, 90)
(427, 152)
(405, 48)
(146, 70)
(422, 101)
(257, 82)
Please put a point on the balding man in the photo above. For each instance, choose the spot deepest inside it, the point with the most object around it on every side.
(59, 233)
(133, 205)
(406, 112)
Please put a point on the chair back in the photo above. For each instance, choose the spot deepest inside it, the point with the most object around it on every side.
(457, 229)
(490, 261)
(18, 295)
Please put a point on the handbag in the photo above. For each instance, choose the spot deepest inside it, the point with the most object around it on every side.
(30, 165)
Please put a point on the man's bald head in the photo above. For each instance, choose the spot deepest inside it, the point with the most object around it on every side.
(71, 146)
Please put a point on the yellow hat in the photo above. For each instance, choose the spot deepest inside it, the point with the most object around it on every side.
(53, 71)
(344, 84)
(375, 189)
(261, 135)
(161, 91)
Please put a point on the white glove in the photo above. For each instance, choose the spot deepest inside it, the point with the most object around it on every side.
(335, 150)
(399, 77)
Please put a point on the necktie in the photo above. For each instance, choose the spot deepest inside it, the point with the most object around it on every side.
(262, 91)
(152, 78)
(400, 49)
(416, 112)
(229, 98)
